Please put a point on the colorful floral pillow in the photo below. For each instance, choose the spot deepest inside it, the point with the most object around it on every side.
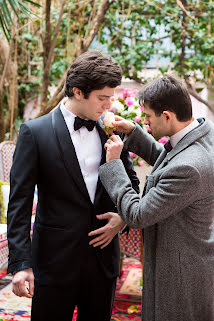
(4, 199)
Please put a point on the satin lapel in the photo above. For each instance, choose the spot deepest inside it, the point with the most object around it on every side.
(67, 151)
(103, 138)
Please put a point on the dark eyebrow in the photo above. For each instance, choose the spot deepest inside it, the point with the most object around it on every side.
(104, 96)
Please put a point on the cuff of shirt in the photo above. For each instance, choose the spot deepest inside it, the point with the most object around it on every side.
(19, 266)
(126, 136)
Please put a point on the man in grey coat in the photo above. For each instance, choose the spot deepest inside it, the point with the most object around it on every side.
(177, 207)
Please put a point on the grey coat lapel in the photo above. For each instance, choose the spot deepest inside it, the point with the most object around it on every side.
(190, 138)
(187, 140)
(159, 160)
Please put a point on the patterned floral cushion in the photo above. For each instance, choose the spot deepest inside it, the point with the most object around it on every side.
(132, 244)
(3, 254)
(4, 199)
(6, 158)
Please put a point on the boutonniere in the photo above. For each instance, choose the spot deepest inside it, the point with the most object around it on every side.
(107, 122)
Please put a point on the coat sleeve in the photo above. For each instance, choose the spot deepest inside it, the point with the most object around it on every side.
(144, 145)
(23, 178)
(128, 164)
(175, 190)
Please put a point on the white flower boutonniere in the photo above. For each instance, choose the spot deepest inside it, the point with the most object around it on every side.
(107, 121)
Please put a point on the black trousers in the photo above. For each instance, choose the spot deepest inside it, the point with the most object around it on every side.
(92, 293)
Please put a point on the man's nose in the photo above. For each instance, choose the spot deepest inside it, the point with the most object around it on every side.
(107, 104)
(146, 122)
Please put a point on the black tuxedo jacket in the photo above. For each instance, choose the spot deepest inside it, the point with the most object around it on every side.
(45, 156)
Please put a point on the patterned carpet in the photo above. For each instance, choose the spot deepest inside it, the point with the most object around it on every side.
(127, 304)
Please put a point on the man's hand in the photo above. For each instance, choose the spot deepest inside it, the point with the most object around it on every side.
(122, 125)
(18, 285)
(113, 146)
(107, 232)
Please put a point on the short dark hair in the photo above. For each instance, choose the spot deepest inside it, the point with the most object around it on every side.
(167, 93)
(92, 71)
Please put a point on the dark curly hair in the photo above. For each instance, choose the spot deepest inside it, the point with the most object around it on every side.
(92, 71)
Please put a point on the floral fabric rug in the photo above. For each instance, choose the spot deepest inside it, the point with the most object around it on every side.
(127, 306)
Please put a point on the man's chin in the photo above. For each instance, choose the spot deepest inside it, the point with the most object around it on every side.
(157, 137)
(98, 117)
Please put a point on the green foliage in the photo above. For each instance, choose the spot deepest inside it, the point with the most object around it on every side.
(57, 70)
(15, 6)
(137, 34)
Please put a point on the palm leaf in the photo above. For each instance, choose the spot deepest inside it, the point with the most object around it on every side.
(14, 6)
(3, 24)
(32, 2)
(5, 14)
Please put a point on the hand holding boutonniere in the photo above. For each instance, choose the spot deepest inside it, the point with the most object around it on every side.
(113, 146)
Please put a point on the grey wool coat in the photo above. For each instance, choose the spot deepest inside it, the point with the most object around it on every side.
(177, 215)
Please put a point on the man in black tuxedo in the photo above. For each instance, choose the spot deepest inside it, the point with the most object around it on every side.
(61, 153)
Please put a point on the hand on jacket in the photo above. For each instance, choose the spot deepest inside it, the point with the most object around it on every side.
(19, 287)
(107, 232)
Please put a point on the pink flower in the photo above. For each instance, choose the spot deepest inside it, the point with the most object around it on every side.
(163, 140)
(129, 101)
(141, 108)
(138, 119)
(113, 110)
(132, 155)
(140, 163)
(126, 92)
(120, 96)
(129, 92)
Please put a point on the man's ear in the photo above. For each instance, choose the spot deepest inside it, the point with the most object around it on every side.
(167, 114)
(77, 93)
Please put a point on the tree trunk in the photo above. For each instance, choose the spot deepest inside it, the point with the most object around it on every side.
(183, 46)
(46, 50)
(49, 53)
(2, 126)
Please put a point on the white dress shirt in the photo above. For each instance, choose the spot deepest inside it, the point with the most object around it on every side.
(88, 149)
(174, 139)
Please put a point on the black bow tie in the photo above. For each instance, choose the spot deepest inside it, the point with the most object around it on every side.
(168, 146)
(79, 122)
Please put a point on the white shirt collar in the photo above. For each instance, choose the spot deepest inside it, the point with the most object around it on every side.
(68, 116)
(174, 139)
